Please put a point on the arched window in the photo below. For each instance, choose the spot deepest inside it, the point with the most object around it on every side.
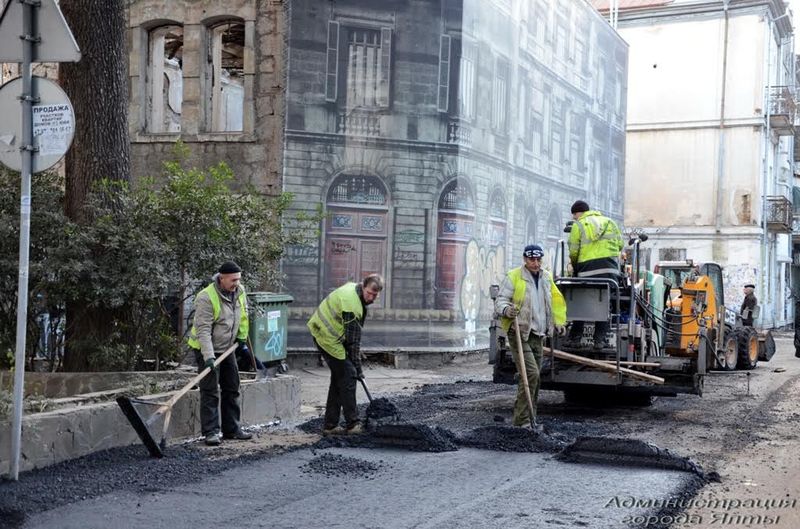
(224, 76)
(365, 190)
(456, 196)
(164, 78)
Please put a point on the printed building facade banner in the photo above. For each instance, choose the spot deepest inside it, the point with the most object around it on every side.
(441, 137)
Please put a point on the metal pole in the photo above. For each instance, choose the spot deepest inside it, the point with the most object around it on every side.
(27, 99)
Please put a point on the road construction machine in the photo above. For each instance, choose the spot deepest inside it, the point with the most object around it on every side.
(667, 330)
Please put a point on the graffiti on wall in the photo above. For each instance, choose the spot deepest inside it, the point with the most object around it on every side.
(734, 278)
(484, 267)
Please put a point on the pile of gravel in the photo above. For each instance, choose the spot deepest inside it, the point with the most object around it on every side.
(335, 465)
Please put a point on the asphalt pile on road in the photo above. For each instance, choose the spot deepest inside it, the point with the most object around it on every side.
(510, 439)
(630, 452)
(128, 468)
(335, 465)
(382, 408)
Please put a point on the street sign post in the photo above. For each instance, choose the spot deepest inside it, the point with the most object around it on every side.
(33, 31)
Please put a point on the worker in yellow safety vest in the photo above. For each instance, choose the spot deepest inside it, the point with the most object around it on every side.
(595, 243)
(529, 294)
(336, 329)
(220, 321)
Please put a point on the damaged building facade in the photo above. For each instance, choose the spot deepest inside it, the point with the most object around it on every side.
(209, 74)
(440, 137)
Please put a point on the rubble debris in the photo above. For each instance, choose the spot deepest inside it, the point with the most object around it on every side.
(335, 465)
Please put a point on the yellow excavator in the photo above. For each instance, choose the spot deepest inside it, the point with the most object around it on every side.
(696, 299)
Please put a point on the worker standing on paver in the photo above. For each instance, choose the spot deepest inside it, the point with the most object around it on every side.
(336, 329)
(748, 305)
(594, 246)
(529, 294)
(220, 320)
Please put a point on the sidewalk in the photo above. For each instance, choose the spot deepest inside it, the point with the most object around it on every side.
(382, 380)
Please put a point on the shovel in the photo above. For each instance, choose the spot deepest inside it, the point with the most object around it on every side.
(366, 390)
(261, 374)
(156, 449)
(523, 371)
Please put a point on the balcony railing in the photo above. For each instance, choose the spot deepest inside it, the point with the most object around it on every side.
(459, 133)
(358, 123)
(779, 214)
(782, 110)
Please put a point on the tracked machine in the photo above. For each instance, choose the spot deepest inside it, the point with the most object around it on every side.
(667, 330)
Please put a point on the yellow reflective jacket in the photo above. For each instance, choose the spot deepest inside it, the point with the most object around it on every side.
(327, 323)
(513, 291)
(216, 340)
(594, 236)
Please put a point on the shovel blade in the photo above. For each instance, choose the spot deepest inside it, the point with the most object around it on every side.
(139, 426)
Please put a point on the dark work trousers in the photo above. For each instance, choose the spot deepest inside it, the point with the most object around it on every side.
(225, 382)
(341, 392)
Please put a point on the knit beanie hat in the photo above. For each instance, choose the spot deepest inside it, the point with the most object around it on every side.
(229, 267)
(579, 207)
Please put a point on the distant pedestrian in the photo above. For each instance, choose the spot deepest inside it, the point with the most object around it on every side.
(594, 246)
(529, 294)
(749, 304)
(220, 321)
(336, 329)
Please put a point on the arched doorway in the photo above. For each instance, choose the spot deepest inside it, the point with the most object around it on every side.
(355, 230)
(453, 232)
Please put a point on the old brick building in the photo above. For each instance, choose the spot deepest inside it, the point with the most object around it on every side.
(440, 137)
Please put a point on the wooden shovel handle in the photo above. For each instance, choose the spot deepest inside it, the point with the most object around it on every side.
(200, 376)
(523, 369)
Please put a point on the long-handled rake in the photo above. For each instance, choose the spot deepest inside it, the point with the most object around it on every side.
(141, 426)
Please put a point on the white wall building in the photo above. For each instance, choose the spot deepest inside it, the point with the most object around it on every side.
(710, 145)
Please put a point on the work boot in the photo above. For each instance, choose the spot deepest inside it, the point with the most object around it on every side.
(333, 430)
(355, 429)
(213, 439)
(238, 435)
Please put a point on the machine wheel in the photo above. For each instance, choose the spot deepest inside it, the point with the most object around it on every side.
(730, 351)
(748, 347)
(283, 367)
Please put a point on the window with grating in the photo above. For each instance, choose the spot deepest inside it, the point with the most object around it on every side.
(358, 190)
(456, 196)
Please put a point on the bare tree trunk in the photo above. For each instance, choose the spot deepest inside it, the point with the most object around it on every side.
(97, 85)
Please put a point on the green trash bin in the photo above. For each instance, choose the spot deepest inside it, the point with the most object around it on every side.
(269, 322)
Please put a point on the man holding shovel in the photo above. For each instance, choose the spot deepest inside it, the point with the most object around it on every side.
(220, 321)
(529, 304)
(336, 329)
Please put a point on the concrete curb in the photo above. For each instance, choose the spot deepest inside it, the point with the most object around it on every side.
(69, 433)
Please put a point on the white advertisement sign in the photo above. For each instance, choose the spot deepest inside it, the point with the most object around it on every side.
(52, 128)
